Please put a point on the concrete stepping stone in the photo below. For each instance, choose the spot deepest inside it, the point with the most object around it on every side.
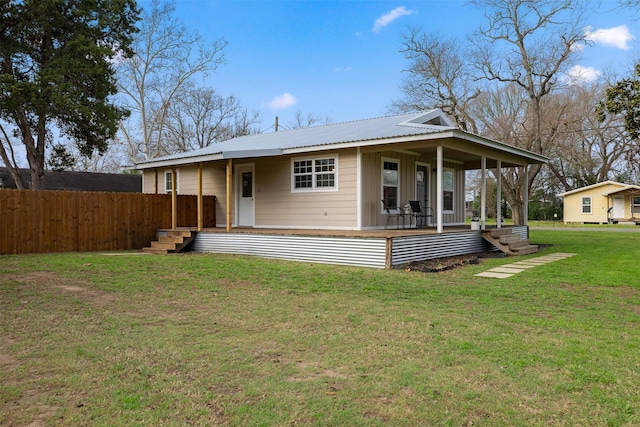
(509, 270)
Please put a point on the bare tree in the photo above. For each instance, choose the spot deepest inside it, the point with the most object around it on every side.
(439, 76)
(203, 117)
(68, 156)
(529, 44)
(301, 121)
(632, 5)
(168, 58)
(589, 150)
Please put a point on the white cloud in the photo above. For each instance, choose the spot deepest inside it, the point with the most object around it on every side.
(579, 74)
(618, 37)
(283, 101)
(389, 17)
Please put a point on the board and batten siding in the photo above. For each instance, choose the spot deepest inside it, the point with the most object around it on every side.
(278, 206)
(372, 216)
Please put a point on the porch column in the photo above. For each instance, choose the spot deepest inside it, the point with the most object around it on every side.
(229, 191)
(499, 193)
(526, 196)
(439, 163)
(483, 194)
(359, 188)
(200, 204)
(174, 200)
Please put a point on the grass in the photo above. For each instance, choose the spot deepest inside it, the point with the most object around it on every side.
(91, 339)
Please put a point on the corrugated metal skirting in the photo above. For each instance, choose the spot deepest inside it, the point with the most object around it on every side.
(361, 252)
(420, 248)
(355, 251)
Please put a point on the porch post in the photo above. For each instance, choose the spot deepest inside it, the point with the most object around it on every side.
(229, 191)
(174, 200)
(499, 193)
(200, 204)
(483, 195)
(526, 196)
(359, 188)
(439, 163)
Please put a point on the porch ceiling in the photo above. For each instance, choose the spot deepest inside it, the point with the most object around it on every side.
(464, 152)
(625, 192)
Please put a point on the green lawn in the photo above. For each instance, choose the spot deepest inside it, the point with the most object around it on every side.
(121, 340)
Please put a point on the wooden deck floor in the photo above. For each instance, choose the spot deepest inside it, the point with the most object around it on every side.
(338, 233)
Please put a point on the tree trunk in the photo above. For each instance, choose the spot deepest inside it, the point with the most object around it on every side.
(14, 171)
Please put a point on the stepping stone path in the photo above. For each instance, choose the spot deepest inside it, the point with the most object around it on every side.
(509, 270)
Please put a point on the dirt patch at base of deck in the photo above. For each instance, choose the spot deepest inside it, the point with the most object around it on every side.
(438, 265)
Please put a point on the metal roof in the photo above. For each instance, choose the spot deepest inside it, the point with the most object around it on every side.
(359, 132)
(77, 181)
(592, 186)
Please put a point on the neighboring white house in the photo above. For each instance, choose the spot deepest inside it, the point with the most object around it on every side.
(602, 203)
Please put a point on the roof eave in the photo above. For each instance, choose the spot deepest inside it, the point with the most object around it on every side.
(530, 155)
(151, 164)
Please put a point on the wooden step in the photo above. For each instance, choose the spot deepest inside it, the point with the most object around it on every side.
(168, 246)
(505, 240)
(497, 232)
(170, 241)
(154, 251)
(530, 249)
(518, 244)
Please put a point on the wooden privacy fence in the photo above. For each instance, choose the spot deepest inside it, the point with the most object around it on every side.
(72, 221)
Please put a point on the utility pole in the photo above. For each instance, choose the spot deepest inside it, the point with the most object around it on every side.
(276, 124)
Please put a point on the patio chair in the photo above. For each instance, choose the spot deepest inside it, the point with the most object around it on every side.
(387, 210)
(420, 214)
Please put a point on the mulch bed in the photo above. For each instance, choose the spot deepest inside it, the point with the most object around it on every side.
(443, 264)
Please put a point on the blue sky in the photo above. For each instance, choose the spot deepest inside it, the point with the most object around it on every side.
(341, 59)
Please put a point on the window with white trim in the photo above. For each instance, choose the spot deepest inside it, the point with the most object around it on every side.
(315, 174)
(635, 204)
(586, 205)
(391, 183)
(168, 184)
(448, 186)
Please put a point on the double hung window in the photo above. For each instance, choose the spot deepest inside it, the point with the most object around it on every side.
(586, 205)
(635, 204)
(315, 174)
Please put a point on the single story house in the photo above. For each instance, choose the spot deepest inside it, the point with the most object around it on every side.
(602, 203)
(338, 180)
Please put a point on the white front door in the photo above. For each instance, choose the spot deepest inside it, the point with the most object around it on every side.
(618, 207)
(245, 195)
